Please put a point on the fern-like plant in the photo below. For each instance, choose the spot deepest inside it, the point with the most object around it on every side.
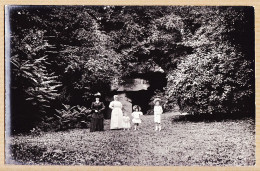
(72, 116)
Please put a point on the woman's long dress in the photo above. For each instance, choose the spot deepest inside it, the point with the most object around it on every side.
(116, 115)
(97, 120)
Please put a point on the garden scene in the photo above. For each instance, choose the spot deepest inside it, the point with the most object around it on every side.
(73, 67)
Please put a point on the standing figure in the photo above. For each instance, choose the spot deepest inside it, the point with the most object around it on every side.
(126, 122)
(117, 114)
(157, 114)
(97, 120)
(136, 116)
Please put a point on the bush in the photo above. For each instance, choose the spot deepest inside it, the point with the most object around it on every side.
(67, 118)
(215, 82)
(73, 117)
(218, 77)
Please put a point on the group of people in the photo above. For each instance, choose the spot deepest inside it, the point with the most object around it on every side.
(120, 120)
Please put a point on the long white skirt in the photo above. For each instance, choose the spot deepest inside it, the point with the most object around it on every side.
(116, 119)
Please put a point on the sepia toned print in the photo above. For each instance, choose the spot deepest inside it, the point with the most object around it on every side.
(130, 85)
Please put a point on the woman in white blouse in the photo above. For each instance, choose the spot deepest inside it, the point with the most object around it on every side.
(117, 114)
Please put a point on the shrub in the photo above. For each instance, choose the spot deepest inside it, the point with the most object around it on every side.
(215, 82)
(66, 118)
(218, 77)
(34, 86)
(73, 117)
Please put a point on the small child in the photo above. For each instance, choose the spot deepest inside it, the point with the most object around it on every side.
(157, 114)
(136, 116)
(126, 122)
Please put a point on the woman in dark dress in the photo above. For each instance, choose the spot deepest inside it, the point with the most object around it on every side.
(97, 120)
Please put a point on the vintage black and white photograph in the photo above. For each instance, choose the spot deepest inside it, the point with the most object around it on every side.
(130, 85)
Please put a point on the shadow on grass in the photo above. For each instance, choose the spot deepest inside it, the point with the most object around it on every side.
(213, 117)
(28, 154)
(22, 154)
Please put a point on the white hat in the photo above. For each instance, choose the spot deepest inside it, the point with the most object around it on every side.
(97, 94)
(156, 99)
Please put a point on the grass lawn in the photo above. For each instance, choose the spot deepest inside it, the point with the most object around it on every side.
(179, 143)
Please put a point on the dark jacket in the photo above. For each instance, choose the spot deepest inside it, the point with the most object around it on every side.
(100, 107)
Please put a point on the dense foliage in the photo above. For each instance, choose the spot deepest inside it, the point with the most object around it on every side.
(62, 55)
(218, 77)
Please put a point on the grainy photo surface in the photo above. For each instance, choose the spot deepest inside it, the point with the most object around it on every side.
(130, 85)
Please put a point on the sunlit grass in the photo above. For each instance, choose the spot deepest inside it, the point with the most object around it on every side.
(179, 143)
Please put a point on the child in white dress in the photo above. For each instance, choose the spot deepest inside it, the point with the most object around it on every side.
(157, 114)
(126, 122)
(136, 116)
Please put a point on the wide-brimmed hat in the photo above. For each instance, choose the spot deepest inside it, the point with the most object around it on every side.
(97, 95)
(136, 107)
(156, 99)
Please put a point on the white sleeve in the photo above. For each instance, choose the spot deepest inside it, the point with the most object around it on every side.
(111, 105)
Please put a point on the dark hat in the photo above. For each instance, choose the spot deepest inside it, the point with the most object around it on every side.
(137, 107)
